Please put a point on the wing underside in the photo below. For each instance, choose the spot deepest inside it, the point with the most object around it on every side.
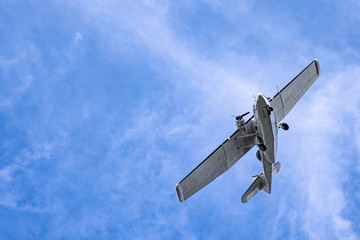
(225, 156)
(286, 99)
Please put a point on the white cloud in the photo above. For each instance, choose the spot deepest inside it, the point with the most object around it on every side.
(76, 45)
(319, 178)
(16, 77)
(319, 169)
(78, 37)
(133, 184)
(5, 173)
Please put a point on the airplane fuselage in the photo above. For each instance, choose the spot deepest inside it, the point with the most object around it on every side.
(267, 134)
(266, 126)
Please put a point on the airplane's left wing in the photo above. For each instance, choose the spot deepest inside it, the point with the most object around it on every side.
(286, 99)
(226, 155)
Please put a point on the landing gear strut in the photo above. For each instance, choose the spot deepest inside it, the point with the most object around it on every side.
(269, 109)
(262, 146)
(258, 155)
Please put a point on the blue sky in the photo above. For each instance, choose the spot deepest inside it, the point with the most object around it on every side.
(106, 105)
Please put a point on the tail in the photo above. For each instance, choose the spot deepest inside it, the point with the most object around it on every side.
(259, 183)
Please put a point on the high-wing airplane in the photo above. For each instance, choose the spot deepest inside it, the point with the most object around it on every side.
(260, 130)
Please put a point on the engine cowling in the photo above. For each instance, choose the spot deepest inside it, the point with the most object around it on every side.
(240, 122)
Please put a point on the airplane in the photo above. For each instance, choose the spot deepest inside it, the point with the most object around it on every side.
(260, 130)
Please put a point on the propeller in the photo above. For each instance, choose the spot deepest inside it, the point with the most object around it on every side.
(238, 117)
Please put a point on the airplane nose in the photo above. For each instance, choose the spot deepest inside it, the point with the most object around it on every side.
(258, 96)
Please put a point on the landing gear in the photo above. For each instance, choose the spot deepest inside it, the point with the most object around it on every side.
(269, 109)
(284, 126)
(262, 147)
(258, 155)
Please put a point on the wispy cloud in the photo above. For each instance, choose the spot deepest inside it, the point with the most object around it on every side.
(15, 74)
(98, 162)
(319, 175)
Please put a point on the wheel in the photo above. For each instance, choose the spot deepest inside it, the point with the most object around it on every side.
(258, 155)
(262, 147)
(285, 126)
(269, 110)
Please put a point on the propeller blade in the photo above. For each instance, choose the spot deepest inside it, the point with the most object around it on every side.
(244, 114)
(237, 117)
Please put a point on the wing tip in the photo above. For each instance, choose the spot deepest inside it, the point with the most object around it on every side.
(317, 65)
(180, 192)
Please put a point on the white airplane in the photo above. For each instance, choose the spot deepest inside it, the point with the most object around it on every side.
(260, 130)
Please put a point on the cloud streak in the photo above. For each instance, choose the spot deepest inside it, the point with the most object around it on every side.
(92, 160)
(320, 174)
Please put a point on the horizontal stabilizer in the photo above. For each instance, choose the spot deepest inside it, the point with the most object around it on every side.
(276, 169)
(257, 185)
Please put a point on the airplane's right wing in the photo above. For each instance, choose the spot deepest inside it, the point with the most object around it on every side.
(286, 99)
(225, 156)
